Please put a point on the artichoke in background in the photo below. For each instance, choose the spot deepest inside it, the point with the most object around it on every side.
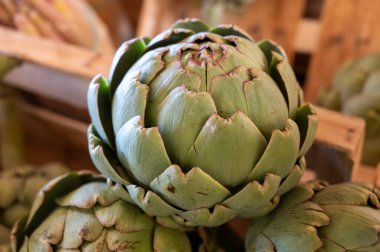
(356, 91)
(200, 124)
(317, 217)
(80, 212)
(17, 191)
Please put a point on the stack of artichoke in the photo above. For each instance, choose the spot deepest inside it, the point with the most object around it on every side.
(192, 129)
(17, 191)
(356, 91)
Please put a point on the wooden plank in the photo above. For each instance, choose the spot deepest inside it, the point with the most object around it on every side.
(276, 19)
(53, 137)
(50, 83)
(63, 57)
(349, 29)
(342, 133)
(307, 35)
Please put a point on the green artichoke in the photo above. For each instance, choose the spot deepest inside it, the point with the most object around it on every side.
(317, 217)
(17, 191)
(356, 92)
(200, 124)
(80, 212)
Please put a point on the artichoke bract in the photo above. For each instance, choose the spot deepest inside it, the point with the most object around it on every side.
(18, 187)
(80, 212)
(356, 91)
(318, 217)
(200, 124)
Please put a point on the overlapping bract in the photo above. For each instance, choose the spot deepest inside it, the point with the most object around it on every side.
(200, 124)
(80, 212)
(317, 217)
(18, 188)
(356, 91)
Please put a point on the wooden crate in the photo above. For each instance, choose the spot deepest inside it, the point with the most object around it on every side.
(58, 77)
(345, 29)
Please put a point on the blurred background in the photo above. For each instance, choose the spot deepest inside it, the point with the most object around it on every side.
(51, 49)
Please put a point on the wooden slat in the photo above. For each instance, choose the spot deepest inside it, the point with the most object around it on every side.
(275, 19)
(350, 28)
(63, 57)
(52, 137)
(307, 36)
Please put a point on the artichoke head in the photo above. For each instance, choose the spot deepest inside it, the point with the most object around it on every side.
(318, 217)
(356, 91)
(79, 211)
(200, 124)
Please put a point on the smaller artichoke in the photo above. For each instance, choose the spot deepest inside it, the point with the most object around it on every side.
(318, 217)
(17, 191)
(79, 211)
(356, 92)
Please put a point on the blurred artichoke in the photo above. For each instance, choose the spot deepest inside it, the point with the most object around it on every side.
(317, 217)
(203, 125)
(80, 212)
(356, 92)
(17, 191)
(57, 20)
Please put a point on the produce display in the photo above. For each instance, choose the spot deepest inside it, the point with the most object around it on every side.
(57, 20)
(80, 212)
(356, 91)
(320, 217)
(200, 124)
(18, 188)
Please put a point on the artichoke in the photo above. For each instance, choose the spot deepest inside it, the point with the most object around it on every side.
(17, 191)
(80, 212)
(200, 124)
(356, 91)
(318, 217)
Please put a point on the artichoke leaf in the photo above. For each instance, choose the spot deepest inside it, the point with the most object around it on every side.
(307, 121)
(266, 105)
(206, 217)
(227, 92)
(250, 50)
(88, 195)
(169, 37)
(123, 217)
(80, 225)
(231, 30)
(105, 160)
(255, 199)
(99, 107)
(291, 180)
(139, 241)
(191, 24)
(127, 54)
(167, 239)
(268, 47)
(182, 116)
(150, 202)
(124, 109)
(190, 191)
(141, 150)
(284, 76)
(280, 154)
(227, 149)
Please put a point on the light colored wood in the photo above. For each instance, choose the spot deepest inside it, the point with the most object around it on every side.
(342, 133)
(349, 29)
(276, 19)
(307, 35)
(63, 57)
(51, 137)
